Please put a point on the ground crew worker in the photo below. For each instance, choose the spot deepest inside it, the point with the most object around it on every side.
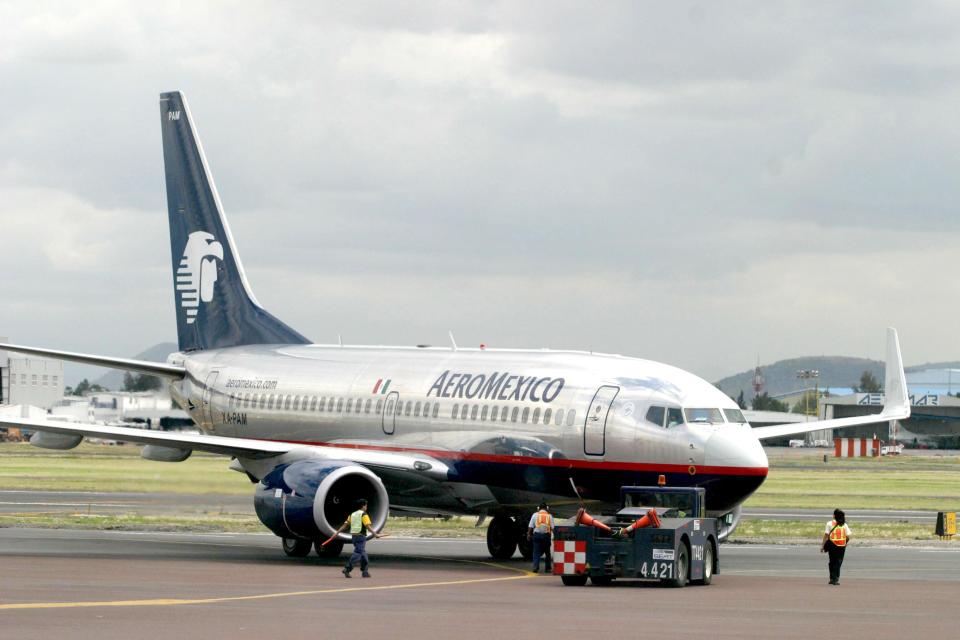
(835, 539)
(539, 531)
(359, 523)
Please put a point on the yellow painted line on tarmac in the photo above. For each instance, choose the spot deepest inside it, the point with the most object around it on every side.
(167, 602)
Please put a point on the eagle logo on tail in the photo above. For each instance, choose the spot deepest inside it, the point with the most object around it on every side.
(197, 273)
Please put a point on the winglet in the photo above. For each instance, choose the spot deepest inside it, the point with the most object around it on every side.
(896, 404)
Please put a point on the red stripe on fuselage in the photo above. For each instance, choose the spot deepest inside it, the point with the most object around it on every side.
(565, 463)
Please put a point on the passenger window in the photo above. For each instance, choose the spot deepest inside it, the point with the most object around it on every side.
(286, 402)
(409, 408)
(493, 413)
(366, 406)
(674, 417)
(504, 413)
(416, 410)
(357, 406)
(389, 409)
(536, 416)
(456, 410)
(571, 417)
(436, 409)
(514, 414)
(559, 421)
(270, 401)
(463, 412)
(349, 404)
(296, 403)
(399, 407)
(426, 410)
(526, 414)
(546, 416)
(379, 405)
(262, 400)
(656, 415)
(313, 403)
(473, 412)
(322, 404)
(339, 405)
(483, 413)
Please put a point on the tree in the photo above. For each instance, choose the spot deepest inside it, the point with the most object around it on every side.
(764, 402)
(868, 384)
(84, 387)
(741, 402)
(141, 382)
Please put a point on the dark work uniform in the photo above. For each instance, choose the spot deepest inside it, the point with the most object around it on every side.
(835, 552)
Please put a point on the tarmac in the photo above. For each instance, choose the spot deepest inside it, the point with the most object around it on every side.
(80, 584)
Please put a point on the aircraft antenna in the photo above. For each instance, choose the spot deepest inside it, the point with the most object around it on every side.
(577, 493)
(453, 342)
(340, 339)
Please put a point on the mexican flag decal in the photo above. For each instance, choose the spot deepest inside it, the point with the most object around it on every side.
(381, 386)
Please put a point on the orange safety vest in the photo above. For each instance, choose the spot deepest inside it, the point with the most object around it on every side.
(543, 518)
(838, 535)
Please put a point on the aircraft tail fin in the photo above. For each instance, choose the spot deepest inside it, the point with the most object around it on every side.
(214, 304)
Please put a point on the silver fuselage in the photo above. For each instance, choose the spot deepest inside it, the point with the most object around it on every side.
(513, 425)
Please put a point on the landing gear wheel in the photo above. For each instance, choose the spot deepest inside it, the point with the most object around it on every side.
(681, 568)
(574, 581)
(332, 550)
(707, 564)
(502, 538)
(601, 581)
(525, 546)
(296, 547)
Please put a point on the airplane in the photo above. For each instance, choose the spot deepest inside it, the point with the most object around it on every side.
(482, 432)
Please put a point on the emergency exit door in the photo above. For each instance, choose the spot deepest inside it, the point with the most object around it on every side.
(388, 419)
(595, 425)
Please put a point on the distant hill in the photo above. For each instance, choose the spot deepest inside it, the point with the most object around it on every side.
(781, 377)
(157, 353)
(835, 371)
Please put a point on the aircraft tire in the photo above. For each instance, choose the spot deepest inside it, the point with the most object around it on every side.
(502, 537)
(332, 550)
(525, 546)
(297, 547)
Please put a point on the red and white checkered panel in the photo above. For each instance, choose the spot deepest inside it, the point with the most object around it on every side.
(569, 557)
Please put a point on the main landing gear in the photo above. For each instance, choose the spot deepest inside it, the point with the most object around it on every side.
(505, 534)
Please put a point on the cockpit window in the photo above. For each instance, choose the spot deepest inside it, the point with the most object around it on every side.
(674, 417)
(655, 415)
(712, 416)
(734, 415)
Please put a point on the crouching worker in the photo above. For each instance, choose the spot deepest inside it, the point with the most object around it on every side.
(359, 524)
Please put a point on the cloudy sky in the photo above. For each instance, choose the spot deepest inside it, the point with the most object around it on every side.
(699, 183)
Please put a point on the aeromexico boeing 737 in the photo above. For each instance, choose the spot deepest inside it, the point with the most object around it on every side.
(485, 432)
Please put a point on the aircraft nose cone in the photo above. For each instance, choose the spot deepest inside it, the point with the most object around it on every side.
(736, 447)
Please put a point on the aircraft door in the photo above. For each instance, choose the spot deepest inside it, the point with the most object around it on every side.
(206, 406)
(595, 425)
(388, 419)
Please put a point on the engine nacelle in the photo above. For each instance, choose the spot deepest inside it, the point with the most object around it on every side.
(312, 498)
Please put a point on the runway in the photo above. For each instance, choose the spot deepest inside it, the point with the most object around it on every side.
(118, 584)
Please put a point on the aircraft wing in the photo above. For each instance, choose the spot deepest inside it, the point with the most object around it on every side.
(237, 447)
(896, 405)
(159, 369)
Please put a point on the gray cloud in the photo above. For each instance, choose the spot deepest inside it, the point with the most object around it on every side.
(695, 183)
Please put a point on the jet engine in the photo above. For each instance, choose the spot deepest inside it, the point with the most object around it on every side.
(310, 499)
